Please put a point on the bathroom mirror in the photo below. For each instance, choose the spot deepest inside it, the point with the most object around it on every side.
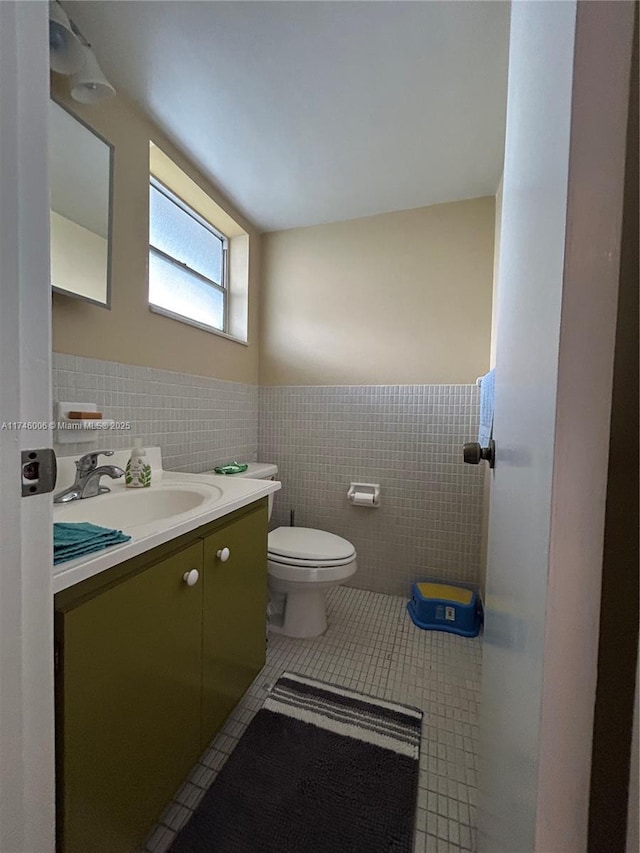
(80, 182)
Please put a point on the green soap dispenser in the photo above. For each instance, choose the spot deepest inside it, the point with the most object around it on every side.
(137, 474)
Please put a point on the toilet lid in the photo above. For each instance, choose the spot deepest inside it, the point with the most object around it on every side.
(305, 543)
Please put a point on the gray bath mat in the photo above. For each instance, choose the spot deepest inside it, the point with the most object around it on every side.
(320, 769)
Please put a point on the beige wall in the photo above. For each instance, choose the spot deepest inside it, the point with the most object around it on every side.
(78, 258)
(398, 298)
(129, 332)
(496, 275)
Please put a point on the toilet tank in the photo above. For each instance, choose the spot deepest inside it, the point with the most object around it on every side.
(261, 471)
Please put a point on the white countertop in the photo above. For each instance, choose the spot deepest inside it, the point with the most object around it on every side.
(237, 493)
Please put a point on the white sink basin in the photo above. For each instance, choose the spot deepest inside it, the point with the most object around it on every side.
(124, 508)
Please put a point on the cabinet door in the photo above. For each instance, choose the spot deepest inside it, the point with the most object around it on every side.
(234, 625)
(129, 700)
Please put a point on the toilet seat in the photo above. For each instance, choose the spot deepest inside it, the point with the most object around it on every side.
(305, 555)
(308, 546)
(298, 576)
(310, 564)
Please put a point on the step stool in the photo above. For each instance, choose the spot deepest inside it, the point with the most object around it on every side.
(440, 607)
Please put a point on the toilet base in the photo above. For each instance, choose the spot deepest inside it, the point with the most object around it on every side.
(305, 615)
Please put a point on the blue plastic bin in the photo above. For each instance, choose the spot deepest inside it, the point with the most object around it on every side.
(440, 607)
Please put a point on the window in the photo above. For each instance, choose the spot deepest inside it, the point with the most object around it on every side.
(198, 253)
(188, 262)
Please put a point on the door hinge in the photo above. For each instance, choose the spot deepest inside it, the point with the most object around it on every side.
(39, 471)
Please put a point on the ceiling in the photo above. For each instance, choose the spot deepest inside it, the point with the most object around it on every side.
(308, 112)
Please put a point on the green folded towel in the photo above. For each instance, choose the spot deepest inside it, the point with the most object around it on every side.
(75, 539)
(233, 468)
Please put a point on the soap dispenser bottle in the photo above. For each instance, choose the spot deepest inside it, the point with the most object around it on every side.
(137, 474)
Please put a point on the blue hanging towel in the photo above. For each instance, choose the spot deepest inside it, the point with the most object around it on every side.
(75, 539)
(487, 394)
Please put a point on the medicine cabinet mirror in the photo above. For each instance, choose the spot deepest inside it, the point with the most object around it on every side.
(80, 181)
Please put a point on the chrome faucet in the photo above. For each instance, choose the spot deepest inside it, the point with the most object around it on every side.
(87, 481)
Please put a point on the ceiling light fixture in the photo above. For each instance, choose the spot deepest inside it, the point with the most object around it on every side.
(89, 85)
(65, 48)
(71, 54)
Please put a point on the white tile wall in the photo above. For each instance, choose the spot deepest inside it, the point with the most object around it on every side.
(198, 422)
(409, 439)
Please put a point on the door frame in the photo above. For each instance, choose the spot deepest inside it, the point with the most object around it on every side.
(601, 77)
(27, 778)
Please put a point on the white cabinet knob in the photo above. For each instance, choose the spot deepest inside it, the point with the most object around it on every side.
(191, 578)
(223, 555)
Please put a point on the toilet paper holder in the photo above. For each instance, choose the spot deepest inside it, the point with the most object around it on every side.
(364, 494)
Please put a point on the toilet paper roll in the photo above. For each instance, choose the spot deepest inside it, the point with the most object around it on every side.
(363, 499)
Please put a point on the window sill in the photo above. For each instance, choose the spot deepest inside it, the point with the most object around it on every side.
(180, 319)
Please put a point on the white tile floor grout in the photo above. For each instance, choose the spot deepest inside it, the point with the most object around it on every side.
(372, 646)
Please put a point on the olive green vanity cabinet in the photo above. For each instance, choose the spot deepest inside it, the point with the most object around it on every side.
(147, 669)
(130, 673)
(234, 630)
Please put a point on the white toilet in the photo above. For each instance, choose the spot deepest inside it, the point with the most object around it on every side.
(303, 563)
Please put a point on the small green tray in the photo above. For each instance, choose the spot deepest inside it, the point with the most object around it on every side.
(233, 468)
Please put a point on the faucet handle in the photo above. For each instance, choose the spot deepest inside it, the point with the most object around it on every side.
(89, 462)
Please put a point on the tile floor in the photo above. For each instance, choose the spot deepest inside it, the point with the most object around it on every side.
(371, 645)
